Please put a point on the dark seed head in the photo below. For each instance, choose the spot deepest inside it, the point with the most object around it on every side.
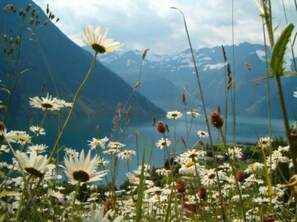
(240, 176)
(216, 120)
(161, 127)
(202, 193)
(47, 105)
(34, 172)
(269, 217)
(2, 126)
(98, 48)
(81, 176)
(180, 186)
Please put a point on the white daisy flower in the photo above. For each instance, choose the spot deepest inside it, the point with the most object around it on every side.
(63, 103)
(193, 154)
(98, 215)
(83, 169)
(190, 168)
(295, 94)
(71, 152)
(96, 142)
(102, 162)
(202, 133)
(45, 103)
(39, 148)
(133, 179)
(126, 154)
(174, 115)
(98, 41)
(115, 145)
(265, 142)
(235, 153)
(193, 114)
(163, 172)
(16, 136)
(36, 165)
(37, 130)
(283, 148)
(253, 167)
(163, 143)
(4, 148)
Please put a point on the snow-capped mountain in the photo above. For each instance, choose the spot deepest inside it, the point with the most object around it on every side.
(165, 78)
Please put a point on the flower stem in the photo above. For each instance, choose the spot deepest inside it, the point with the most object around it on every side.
(73, 202)
(205, 114)
(72, 107)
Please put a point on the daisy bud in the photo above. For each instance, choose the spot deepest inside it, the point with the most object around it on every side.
(240, 176)
(144, 54)
(216, 120)
(180, 186)
(109, 204)
(2, 126)
(154, 120)
(190, 208)
(184, 100)
(162, 128)
(269, 217)
(202, 193)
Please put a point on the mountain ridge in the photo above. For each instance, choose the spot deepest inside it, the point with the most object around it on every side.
(177, 68)
(56, 65)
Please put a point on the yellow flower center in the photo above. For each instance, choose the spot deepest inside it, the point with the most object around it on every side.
(189, 164)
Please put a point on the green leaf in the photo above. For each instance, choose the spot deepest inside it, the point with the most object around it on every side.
(278, 51)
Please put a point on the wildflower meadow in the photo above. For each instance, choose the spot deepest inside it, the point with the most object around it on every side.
(210, 179)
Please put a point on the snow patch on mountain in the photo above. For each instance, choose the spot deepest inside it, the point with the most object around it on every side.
(261, 54)
(213, 66)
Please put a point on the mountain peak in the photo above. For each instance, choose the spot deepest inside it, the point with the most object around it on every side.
(55, 62)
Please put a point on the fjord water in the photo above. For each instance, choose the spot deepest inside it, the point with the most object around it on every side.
(143, 136)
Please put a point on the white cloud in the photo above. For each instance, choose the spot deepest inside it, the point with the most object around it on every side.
(152, 24)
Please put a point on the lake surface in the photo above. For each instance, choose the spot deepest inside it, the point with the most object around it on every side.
(143, 136)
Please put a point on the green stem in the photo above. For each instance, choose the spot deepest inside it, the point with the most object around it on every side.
(205, 115)
(73, 105)
(73, 201)
(268, 21)
(267, 177)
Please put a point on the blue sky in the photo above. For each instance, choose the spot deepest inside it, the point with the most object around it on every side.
(141, 24)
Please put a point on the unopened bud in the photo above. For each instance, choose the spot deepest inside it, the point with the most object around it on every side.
(180, 186)
(154, 120)
(184, 100)
(216, 120)
(240, 176)
(162, 128)
(202, 193)
(269, 217)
